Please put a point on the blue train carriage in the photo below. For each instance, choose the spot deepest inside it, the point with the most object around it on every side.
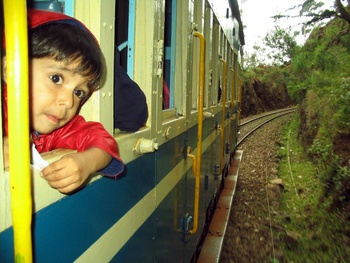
(183, 54)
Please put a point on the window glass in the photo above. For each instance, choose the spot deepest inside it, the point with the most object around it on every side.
(215, 65)
(169, 57)
(56, 6)
(121, 30)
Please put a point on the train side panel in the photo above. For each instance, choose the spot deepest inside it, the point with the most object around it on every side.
(146, 215)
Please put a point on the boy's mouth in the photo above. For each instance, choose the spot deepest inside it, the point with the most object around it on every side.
(53, 118)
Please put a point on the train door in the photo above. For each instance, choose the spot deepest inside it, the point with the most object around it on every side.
(226, 98)
(211, 139)
(234, 79)
(171, 243)
(215, 97)
(206, 132)
(179, 221)
(196, 131)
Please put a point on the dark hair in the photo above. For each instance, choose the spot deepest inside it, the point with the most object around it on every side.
(70, 43)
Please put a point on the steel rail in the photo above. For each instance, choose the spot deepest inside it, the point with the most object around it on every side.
(268, 114)
(282, 113)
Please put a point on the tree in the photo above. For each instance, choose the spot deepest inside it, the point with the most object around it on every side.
(316, 13)
(282, 45)
(256, 58)
(314, 10)
(342, 11)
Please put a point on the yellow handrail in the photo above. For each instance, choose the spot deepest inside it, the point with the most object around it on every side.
(197, 160)
(232, 105)
(194, 161)
(15, 15)
(233, 88)
(223, 117)
(240, 100)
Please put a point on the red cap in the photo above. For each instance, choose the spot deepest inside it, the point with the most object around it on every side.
(40, 17)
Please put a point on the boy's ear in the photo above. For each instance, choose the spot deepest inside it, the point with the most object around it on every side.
(3, 68)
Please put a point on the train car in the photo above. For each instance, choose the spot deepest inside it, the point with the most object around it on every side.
(158, 209)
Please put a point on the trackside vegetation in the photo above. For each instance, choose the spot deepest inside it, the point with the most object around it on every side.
(317, 79)
(321, 235)
(319, 82)
(316, 76)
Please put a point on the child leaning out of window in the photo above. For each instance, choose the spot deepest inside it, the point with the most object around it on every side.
(66, 67)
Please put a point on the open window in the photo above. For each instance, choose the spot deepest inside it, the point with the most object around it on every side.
(122, 42)
(216, 81)
(172, 82)
(130, 107)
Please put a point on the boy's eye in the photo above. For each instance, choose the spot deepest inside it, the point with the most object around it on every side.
(79, 93)
(57, 79)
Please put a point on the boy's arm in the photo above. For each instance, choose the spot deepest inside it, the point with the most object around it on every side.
(97, 151)
(72, 170)
(81, 135)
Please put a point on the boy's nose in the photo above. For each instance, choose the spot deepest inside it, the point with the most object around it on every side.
(66, 99)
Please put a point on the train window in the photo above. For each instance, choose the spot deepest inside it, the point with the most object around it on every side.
(208, 40)
(228, 71)
(169, 54)
(197, 15)
(61, 6)
(173, 75)
(216, 87)
(123, 44)
(221, 56)
(168, 87)
(130, 108)
(230, 61)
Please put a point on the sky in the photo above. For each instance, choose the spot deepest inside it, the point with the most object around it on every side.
(256, 19)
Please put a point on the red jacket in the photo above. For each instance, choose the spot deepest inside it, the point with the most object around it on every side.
(81, 135)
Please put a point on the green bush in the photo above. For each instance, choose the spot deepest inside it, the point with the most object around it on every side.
(320, 82)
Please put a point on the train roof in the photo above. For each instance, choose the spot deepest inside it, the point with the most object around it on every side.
(236, 13)
(227, 12)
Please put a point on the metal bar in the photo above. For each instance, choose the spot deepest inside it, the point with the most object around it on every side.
(200, 131)
(15, 15)
(232, 108)
(223, 117)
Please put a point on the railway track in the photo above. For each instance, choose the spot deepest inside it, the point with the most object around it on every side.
(212, 246)
(249, 125)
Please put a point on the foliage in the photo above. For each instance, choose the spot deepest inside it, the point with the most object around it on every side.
(256, 58)
(278, 49)
(282, 44)
(323, 234)
(316, 13)
(320, 82)
(317, 77)
(264, 89)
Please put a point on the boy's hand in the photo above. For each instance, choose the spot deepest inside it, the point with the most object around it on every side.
(72, 170)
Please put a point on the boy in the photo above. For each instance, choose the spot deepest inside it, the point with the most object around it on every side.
(66, 67)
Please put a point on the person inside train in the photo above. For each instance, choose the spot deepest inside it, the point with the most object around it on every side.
(66, 67)
(130, 105)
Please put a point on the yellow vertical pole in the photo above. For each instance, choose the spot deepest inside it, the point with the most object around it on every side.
(197, 165)
(15, 14)
(223, 116)
(233, 89)
(240, 100)
(232, 105)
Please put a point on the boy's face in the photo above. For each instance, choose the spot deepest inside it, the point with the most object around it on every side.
(56, 93)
